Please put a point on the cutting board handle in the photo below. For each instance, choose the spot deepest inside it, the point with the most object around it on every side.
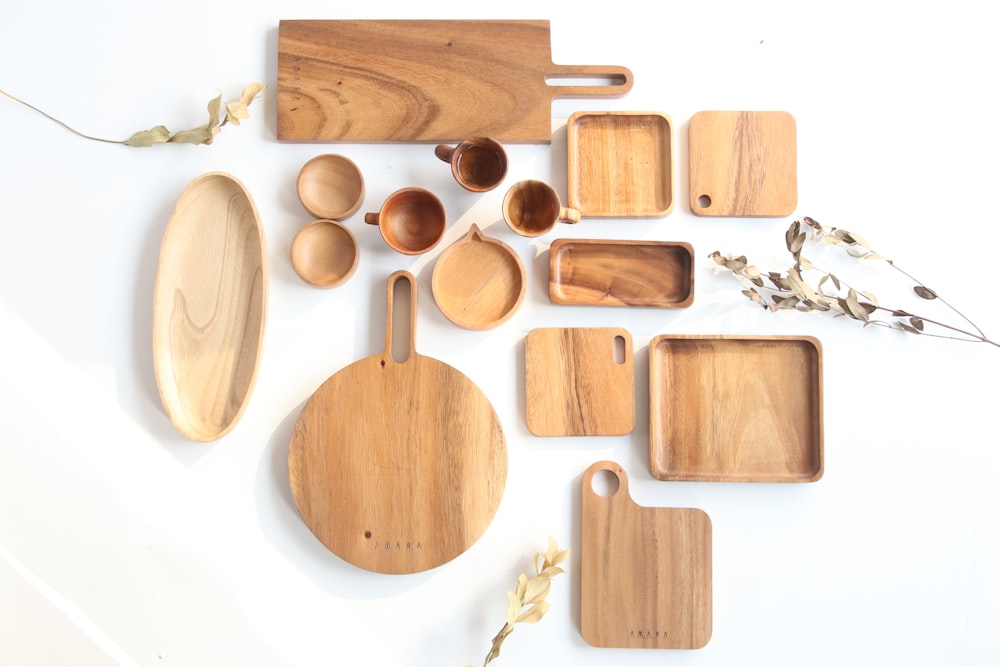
(620, 80)
(616, 495)
(411, 334)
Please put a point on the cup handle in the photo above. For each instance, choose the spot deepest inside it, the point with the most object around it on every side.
(569, 215)
(444, 153)
(371, 218)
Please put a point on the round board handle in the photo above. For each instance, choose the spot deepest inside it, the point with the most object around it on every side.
(411, 333)
(617, 491)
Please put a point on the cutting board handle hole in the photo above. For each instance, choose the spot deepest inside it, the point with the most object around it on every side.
(567, 80)
(618, 349)
(605, 483)
(704, 201)
(400, 320)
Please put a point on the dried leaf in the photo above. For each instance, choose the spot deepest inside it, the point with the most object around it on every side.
(799, 286)
(873, 255)
(250, 92)
(804, 264)
(836, 281)
(906, 327)
(535, 613)
(751, 272)
(537, 589)
(925, 292)
(199, 135)
(917, 323)
(522, 583)
(870, 297)
(214, 107)
(856, 311)
(146, 138)
(791, 235)
(513, 607)
(752, 294)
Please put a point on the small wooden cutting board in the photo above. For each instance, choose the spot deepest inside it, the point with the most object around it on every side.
(742, 163)
(424, 81)
(645, 573)
(579, 381)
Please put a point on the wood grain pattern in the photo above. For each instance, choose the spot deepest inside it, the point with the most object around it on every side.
(736, 408)
(478, 282)
(424, 81)
(594, 272)
(620, 164)
(645, 572)
(742, 163)
(577, 383)
(398, 466)
(209, 307)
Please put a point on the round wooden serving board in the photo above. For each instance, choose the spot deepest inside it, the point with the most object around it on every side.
(398, 466)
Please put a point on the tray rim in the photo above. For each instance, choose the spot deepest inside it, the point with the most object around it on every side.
(559, 243)
(572, 160)
(750, 338)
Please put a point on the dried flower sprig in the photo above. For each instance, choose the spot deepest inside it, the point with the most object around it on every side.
(527, 603)
(776, 291)
(203, 134)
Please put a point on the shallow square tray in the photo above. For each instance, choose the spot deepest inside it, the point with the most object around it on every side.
(620, 164)
(593, 272)
(736, 408)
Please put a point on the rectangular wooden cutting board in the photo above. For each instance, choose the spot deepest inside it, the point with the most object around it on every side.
(645, 572)
(424, 81)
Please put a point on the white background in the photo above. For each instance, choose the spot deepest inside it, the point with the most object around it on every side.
(122, 543)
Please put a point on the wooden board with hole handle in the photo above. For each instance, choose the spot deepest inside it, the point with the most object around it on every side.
(424, 80)
(645, 572)
(398, 466)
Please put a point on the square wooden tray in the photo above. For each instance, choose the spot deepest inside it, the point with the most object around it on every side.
(593, 272)
(736, 408)
(620, 164)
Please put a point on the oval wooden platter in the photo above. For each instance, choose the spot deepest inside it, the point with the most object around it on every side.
(398, 466)
(209, 307)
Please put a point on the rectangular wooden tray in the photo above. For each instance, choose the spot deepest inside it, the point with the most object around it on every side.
(736, 408)
(620, 164)
(594, 272)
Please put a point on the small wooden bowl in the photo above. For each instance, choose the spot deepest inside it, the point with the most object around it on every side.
(478, 282)
(331, 187)
(324, 253)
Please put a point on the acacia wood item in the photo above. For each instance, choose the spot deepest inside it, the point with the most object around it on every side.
(478, 164)
(645, 572)
(532, 208)
(398, 465)
(411, 220)
(209, 307)
(331, 187)
(325, 253)
(620, 164)
(742, 163)
(736, 408)
(478, 282)
(579, 381)
(429, 81)
(594, 272)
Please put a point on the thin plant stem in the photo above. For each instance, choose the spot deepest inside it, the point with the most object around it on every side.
(56, 120)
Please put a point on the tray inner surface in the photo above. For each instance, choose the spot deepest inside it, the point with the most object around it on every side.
(620, 164)
(735, 409)
(621, 273)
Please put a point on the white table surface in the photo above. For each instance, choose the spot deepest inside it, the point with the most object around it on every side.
(122, 543)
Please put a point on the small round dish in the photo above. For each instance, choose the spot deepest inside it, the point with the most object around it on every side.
(331, 187)
(478, 282)
(324, 253)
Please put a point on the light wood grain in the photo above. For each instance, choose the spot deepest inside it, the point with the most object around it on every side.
(620, 163)
(736, 408)
(742, 163)
(478, 282)
(209, 307)
(419, 80)
(398, 466)
(331, 187)
(597, 272)
(325, 253)
(575, 385)
(645, 572)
